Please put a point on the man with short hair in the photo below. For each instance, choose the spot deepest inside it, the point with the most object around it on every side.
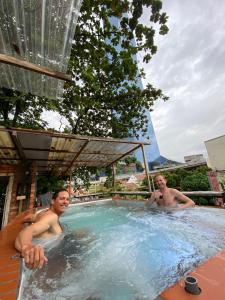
(168, 197)
(46, 225)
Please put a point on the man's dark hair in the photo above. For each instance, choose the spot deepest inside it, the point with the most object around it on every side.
(55, 195)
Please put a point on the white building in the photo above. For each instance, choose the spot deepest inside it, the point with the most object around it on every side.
(216, 153)
(194, 159)
(132, 179)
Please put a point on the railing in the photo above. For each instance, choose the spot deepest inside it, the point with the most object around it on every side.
(143, 194)
(88, 197)
(206, 194)
(193, 193)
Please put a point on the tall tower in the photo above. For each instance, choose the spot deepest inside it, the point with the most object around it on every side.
(151, 151)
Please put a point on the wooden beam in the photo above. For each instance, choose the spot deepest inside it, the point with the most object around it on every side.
(21, 63)
(76, 164)
(18, 145)
(153, 182)
(65, 161)
(114, 177)
(130, 193)
(9, 158)
(146, 169)
(7, 148)
(73, 137)
(205, 193)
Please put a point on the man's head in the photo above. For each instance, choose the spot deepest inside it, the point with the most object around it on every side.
(60, 201)
(160, 181)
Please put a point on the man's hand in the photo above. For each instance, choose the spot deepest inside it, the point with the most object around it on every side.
(152, 199)
(30, 218)
(34, 256)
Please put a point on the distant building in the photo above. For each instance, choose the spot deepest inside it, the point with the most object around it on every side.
(151, 151)
(103, 179)
(194, 159)
(216, 153)
(132, 179)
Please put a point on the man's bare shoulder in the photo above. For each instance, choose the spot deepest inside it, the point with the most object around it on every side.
(174, 191)
(47, 216)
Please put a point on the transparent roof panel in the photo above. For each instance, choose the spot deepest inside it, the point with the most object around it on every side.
(40, 32)
(60, 153)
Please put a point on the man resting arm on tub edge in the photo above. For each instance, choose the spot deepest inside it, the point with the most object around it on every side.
(168, 197)
(46, 225)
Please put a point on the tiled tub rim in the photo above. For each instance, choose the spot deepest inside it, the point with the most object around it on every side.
(11, 263)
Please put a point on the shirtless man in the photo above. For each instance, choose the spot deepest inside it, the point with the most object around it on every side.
(46, 225)
(167, 197)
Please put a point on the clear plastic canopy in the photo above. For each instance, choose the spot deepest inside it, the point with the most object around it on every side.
(61, 153)
(40, 32)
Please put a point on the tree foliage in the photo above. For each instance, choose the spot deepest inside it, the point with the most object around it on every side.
(48, 184)
(106, 98)
(195, 182)
(188, 180)
(130, 159)
(82, 175)
(21, 110)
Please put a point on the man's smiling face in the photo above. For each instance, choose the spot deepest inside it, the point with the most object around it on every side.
(61, 202)
(160, 181)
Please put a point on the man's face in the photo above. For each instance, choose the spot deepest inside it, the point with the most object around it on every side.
(160, 181)
(61, 203)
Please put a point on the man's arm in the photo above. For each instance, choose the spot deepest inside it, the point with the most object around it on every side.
(181, 197)
(33, 254)
(151, 200)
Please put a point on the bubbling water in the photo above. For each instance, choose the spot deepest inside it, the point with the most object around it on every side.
(125, 252)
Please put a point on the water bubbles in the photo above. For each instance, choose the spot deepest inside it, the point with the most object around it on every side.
(125, 252)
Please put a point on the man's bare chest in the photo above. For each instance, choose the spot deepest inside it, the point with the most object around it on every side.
(166, 199)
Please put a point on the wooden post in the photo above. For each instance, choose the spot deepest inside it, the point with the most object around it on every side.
(69, 189)
(33, 185)
(146, 169)
(114, 179)
(153, 184)
(7, 202)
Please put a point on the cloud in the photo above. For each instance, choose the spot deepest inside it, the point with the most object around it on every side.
(189, 68)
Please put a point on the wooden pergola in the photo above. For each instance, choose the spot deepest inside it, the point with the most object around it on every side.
(59, 154)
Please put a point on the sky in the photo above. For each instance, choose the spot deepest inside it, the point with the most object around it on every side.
(189, 67)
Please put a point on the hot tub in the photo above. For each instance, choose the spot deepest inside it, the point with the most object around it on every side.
(119, 250)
